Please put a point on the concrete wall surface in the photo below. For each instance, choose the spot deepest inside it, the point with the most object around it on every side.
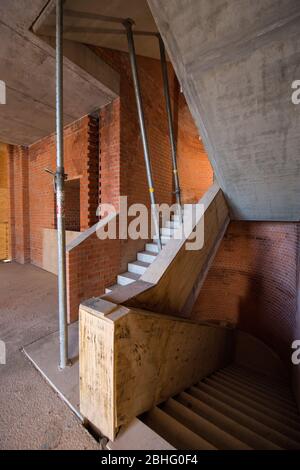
(27, 66)
(236, 61)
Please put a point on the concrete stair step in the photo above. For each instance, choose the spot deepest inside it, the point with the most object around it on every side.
(174, 432)
(269, 430)
(173, 224)
(138, 267)
(109, 289)
(164, 239)
(138, 436)
(261, 415)
(272, 389)
(203, 427)
(252, 391)
(260, 379)
(146, 256)
(256, 403)
(151, 247)
(176, 217)
(168, 232)
(127, 278)
(226, 418)
(256, 375)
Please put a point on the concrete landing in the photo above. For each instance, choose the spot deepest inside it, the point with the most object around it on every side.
(44, 354)
(32, 415)
(138, 436)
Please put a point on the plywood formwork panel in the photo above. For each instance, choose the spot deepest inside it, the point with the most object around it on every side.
(131, 360)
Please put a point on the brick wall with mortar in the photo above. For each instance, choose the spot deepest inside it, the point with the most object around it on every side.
(296, 336)
(253, 282)
(121, 147)
(92, 266)
(19, 203)
(194, 168)
(121, 169)
(4, 203)
(125, 156)
(132, 168)
(81, 161)
(72, 205)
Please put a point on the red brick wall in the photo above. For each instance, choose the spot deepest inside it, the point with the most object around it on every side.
(72, 205)
(194, 168)
(4, 203)
(296, 367)
(92, 266)
(132, 168)
(121, 133)
(120, 170)
(109, 176)
(19, 204)
(252, 282)
(90, 183)
(81, 148)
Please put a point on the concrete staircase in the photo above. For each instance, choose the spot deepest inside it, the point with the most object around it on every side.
(234, 408)
(144, 258)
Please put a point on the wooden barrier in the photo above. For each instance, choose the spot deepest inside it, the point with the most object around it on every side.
(131, 360)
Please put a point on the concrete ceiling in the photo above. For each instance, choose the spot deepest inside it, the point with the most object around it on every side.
(138, 10)
(27, 66)
(236, 61)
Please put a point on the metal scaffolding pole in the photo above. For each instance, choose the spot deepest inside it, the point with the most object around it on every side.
(164, 68)
(132, 55)
(60, 195)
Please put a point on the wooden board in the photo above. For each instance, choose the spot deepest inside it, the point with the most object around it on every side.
(96, 367)
(50, 247)
(131, 360)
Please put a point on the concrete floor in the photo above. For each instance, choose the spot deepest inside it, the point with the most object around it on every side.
(32, 416)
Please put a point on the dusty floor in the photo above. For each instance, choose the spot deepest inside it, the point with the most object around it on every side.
(32, 416)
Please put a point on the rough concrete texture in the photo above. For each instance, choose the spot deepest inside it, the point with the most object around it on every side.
(27, 65)
(32, 416)
(138, 10)
(236, 61)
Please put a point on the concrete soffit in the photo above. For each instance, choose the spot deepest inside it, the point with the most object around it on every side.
(81, 58)
(27, 64)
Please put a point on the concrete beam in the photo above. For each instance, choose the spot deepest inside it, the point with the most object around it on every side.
(28, 69)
